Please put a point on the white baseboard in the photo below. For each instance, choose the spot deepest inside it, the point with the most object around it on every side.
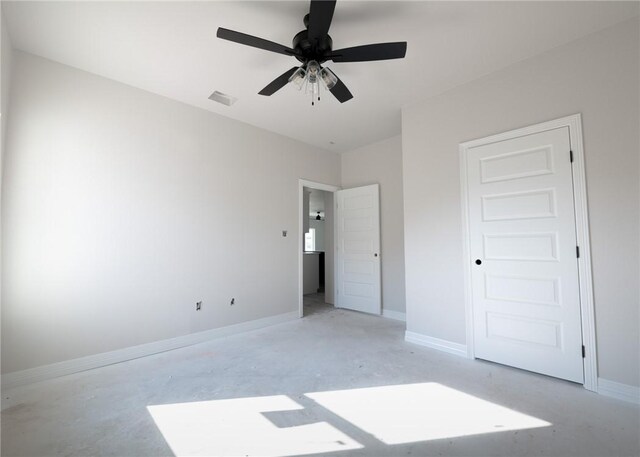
(396, 315)
(619, 391)
(54, 370)
(436, 343)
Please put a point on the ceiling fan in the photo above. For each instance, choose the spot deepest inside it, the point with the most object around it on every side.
(313, 47)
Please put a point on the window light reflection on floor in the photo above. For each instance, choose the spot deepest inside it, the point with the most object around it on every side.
(420, 412)
(239, 427)
(392, 414)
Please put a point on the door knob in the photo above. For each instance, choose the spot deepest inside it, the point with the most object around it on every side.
(478, 262)
(375, 254)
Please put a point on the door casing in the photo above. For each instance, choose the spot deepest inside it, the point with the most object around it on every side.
(574, 124)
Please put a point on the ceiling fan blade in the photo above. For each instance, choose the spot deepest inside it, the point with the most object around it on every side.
(253, 41)
(369, 52)
(278, 83)
(340, 91)
(320, 15)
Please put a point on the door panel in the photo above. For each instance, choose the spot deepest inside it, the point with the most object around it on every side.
(522, 239)
(358, 249)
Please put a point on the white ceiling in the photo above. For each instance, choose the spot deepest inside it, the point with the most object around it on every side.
(170, 48)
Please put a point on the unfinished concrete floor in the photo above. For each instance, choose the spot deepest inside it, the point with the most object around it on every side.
(314, 303)
(334, 383)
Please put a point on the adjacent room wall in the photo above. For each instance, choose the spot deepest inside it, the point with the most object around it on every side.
(597, 76)
(319, 226)
(6, 58)
(122, 208)
(6, 55)
(382, 163)
(329, 296)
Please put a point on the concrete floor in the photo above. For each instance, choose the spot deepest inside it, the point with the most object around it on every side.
(314, 303)
(334, 383)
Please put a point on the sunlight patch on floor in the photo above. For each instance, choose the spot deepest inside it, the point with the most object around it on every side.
(239, 427)
(279, 426)
(420, 412)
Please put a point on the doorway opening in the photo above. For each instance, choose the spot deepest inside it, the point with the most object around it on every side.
(316, 247)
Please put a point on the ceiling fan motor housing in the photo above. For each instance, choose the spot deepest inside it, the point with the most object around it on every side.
(309, 50)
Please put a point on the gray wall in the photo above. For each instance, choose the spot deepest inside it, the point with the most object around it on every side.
(121, 209)
(382, 163)
(6, 58)
(320, 233)
(597, 76)
(6, 53)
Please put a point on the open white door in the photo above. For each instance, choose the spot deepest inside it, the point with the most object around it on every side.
(358, 249)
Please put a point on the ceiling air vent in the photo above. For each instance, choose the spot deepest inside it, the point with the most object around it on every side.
(222, 98)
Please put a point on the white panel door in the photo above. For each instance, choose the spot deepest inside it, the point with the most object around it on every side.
(522, 241)
(358, 249)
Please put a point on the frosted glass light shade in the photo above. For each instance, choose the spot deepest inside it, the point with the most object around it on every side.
(298, 77)
(329, 78)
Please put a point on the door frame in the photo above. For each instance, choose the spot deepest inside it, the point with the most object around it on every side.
(302, 183)
(581, 212)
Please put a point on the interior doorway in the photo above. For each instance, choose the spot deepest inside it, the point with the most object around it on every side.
(316, 247)
(317, 228)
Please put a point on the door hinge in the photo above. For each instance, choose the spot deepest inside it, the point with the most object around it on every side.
(584, 352)
(571, 156)
(578, 252)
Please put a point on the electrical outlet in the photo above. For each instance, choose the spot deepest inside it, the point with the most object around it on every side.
(284, 233)
(233, 302)
(198, 305)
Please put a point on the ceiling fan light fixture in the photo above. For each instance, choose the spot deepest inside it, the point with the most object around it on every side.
(298, 77)
(312, 71)
(312, 47)
(328, 78)
(313, 80)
